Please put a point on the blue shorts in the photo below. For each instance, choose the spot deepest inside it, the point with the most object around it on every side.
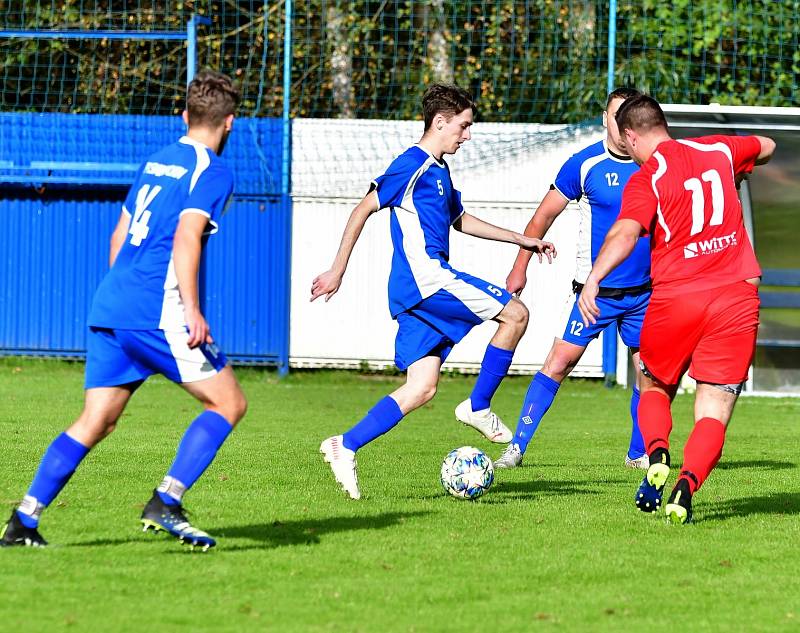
(626, 311)
(119, 357)
(437, 323)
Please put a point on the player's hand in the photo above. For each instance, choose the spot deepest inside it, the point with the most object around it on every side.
(539, 247)
(199, 331)
(516, 281)
(587, 304)
(326, 284)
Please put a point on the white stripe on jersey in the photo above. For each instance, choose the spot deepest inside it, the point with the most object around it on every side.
(173, 318)
(203, 160)
(715, 147)
(192, 363)
(662, 169)
(587, 165)
(172, 314)
(428, 272)
(584, 251)
(479, 302)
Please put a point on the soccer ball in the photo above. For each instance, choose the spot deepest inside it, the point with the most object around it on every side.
(467, 472)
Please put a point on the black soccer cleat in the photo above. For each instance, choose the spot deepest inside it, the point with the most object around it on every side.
(679, 505)
(15, 534)
(158, 516)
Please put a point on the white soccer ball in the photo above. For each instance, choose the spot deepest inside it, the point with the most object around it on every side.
(467, 472)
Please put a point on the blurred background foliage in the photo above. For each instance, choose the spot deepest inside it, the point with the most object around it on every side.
(525, 61)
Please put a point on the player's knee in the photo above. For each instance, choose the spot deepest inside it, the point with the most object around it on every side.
(516, 314)
(561, 359)
(557, 366)
(90, 429)
(423, 393)
(236, 407)
(241, 406)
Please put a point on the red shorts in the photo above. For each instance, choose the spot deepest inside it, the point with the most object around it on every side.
(711, 332)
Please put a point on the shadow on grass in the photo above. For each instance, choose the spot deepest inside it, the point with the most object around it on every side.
(763, 464)
(136, 537)
(274, 534)
(308, 531)
(506, 490)
(778, 503)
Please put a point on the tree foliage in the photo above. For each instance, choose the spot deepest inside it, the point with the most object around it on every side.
(532, 60)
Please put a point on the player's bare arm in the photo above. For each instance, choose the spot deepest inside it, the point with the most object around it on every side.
(186, 259)
(550, 208)
(476, 227)
(767, 149)
(328, 282)
(619, 243)
(118, 237)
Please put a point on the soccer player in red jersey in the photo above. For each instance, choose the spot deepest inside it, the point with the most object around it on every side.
(703, 314)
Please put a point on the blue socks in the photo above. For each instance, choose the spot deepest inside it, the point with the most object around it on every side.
(540, 396)
(58, 463)
(196, 451)
(494, 368)
(636, 447)
(383, 416)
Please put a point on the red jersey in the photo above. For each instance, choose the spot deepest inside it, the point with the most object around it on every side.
(685, 198)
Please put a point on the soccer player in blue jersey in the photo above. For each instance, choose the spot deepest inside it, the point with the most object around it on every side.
(435, 305)
(146, 319)
(595, 177)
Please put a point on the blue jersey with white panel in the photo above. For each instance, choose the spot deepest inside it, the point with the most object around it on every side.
(424, 205)
(596, 177)
(140, 292)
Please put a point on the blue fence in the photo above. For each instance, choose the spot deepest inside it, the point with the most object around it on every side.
(63, 178)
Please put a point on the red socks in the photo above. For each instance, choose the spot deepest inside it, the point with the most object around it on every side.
(655, 420)
(703, 448)
(702, 451)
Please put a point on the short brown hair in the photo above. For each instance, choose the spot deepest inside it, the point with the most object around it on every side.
(211, 97)
(446, 99)
(622, 93)
(641, 114)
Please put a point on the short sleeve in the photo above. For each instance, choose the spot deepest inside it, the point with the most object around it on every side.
(211, 194)
(390, 187)
(639, 203)
(568, 180)
(745, 151)
(456, 206)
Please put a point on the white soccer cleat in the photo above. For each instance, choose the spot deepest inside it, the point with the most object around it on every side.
(511, 457)
(343, 464)
(642, 463)
(484, 421)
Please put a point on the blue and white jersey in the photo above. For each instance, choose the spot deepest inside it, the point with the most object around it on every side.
(424, 205)
(140, 292)
(595, 177)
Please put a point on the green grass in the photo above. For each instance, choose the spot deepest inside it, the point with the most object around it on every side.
(555, 545)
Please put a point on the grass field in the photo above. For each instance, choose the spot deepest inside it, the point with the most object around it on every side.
(555, 545)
